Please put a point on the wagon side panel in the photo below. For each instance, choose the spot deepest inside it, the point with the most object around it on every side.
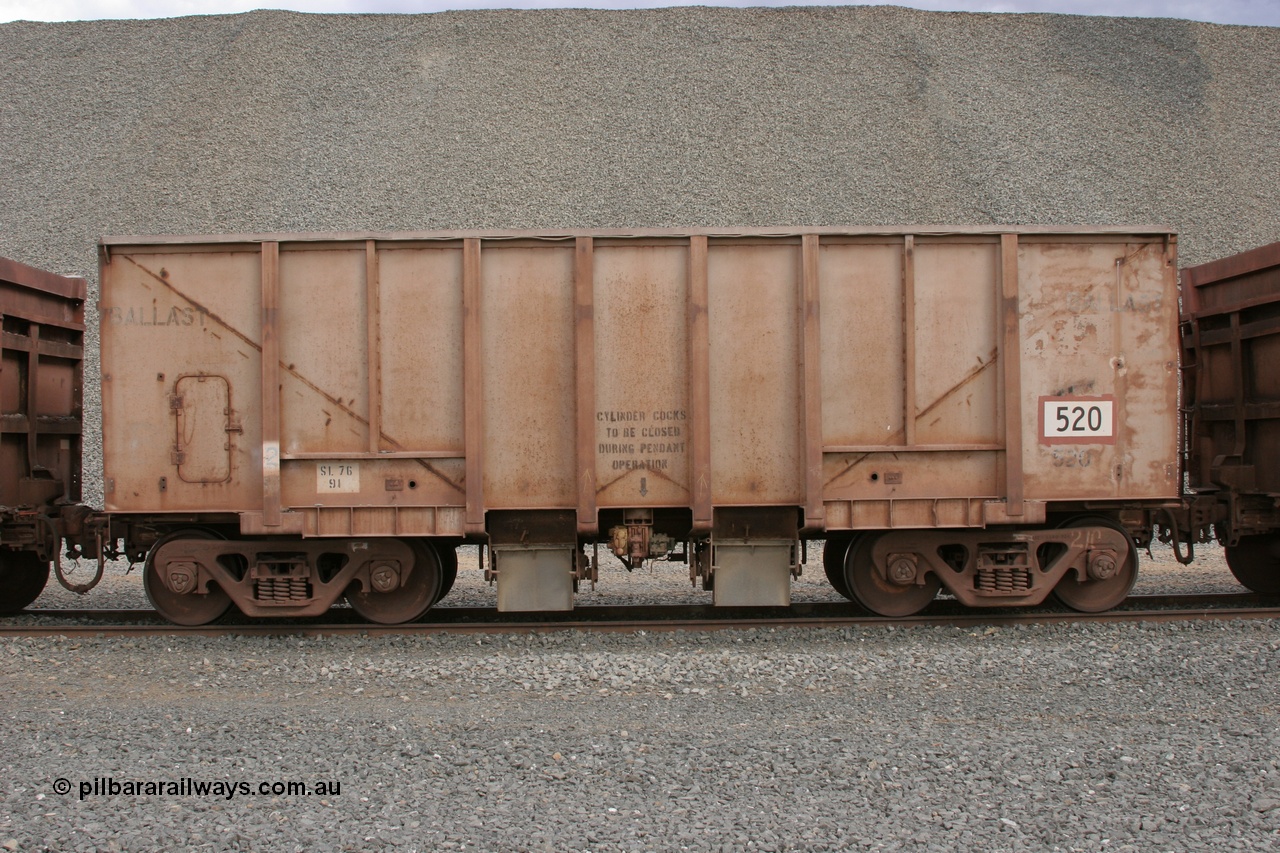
(421, 349)
(322, 327)
(862, 343)
(956, 343)
(371, 389)
(755, 391)
(1098, 319)
(527, 310)
(911, 376)
(640, 412)
(181, 379)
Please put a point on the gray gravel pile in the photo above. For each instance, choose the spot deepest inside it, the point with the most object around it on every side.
(273, 121)
(1125, 737)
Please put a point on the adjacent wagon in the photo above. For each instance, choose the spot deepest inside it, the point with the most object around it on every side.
(41, 403)
(1231, 338)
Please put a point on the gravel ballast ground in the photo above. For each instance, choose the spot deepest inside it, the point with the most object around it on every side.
(1067, 737)
(1062, 737)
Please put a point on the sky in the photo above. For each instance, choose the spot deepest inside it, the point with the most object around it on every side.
(1248, 12)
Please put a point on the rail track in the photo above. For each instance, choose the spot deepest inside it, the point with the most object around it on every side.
(626, 618)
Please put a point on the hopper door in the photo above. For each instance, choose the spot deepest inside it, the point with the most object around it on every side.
(202, 413)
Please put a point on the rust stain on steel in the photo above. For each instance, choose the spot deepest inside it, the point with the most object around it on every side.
(969, 377)
(292, 371)
(854, 463)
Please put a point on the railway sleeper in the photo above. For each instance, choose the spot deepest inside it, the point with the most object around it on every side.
(1090, 564)
(192, 577)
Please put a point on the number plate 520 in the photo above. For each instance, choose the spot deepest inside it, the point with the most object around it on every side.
(1078, 420)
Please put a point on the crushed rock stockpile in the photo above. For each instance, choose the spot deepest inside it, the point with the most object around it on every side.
(275, 121)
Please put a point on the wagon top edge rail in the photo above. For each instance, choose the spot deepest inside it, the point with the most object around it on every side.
(1146, 230)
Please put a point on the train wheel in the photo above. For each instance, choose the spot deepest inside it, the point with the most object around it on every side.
(191, 608)
(449, 570)
(874, 591)
(23, 576)
(1256, 562)
(1100, 593)
(406, 598)
(833, 554)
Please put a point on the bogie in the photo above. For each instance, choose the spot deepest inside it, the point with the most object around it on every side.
(1089, 563)
(193, 576)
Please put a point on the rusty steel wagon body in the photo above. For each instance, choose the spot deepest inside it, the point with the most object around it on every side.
(1231, 339)
(41, 401)
(289, 419)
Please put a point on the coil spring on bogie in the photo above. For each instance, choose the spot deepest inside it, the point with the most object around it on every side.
(283, 589)
(1004, 579)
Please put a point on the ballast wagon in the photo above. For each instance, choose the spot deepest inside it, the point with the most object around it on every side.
(291, 419)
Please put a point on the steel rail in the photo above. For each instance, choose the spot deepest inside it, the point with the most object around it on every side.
(633, 618)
